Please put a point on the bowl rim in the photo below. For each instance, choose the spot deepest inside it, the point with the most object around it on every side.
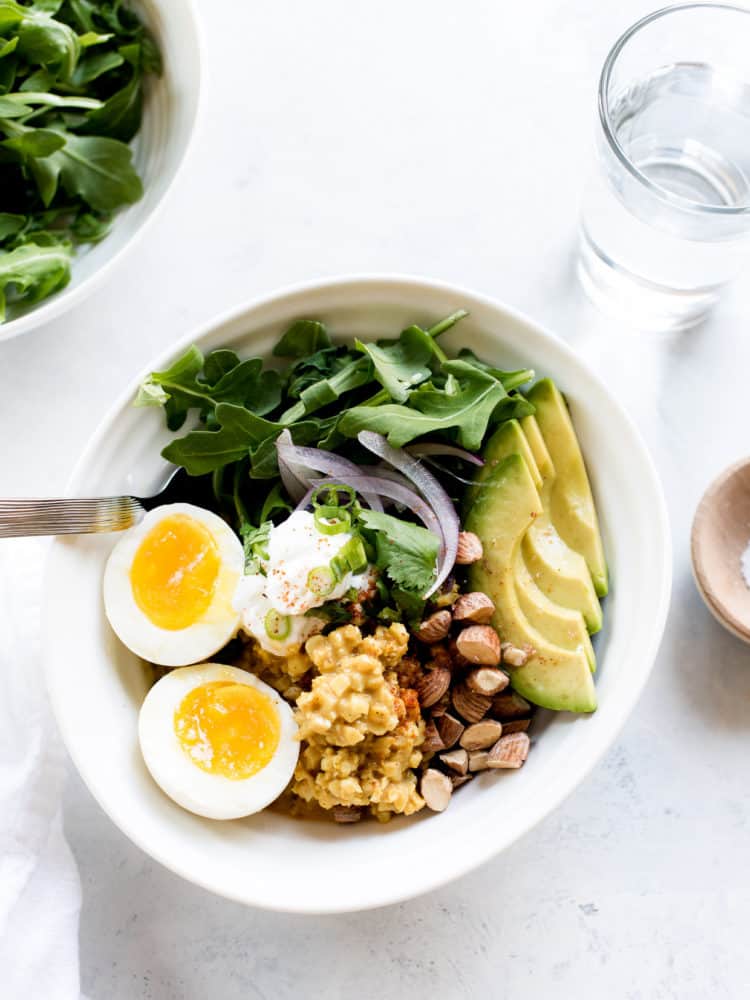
(68, 297)
(536, 811)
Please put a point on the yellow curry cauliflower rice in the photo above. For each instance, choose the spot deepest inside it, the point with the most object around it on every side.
(360, 732)
(362, 737)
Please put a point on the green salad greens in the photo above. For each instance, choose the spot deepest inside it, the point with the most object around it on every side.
(71, 99)
(404, 388)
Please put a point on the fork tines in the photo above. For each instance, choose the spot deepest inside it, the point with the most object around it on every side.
(67, 517)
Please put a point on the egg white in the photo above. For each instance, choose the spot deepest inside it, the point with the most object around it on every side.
(196, 642)
(211, 795)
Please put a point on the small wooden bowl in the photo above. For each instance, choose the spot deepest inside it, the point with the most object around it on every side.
(721, 532)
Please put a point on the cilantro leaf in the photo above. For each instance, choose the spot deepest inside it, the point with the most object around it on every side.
(406, 552)
(255, 544)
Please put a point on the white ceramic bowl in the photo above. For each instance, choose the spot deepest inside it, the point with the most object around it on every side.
(169, 118)
(97, 686)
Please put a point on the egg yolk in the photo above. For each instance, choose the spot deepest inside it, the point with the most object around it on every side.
(228, 729)
(173, 574)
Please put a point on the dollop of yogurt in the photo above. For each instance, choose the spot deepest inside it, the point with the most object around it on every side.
(295, 548)
(251, 601)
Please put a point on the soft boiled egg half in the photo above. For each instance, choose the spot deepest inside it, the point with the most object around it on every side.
(217, 740)
(169, 583)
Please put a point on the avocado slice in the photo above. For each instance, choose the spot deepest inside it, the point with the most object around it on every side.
(539, 449)
(559, 572)
(563, 626)
(508, 439)
(553, 677)
(572, 509)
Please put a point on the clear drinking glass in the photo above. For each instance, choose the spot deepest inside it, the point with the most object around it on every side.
(666, 213)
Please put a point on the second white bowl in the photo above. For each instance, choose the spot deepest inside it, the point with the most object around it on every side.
(169, 119)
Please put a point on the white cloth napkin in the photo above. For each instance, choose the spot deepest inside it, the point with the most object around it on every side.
(40, 892)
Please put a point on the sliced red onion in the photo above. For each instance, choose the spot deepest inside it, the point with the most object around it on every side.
(384, 471)
(432, 492)
(436, 448)
(302, 462)
(448, 472)
(293, 481)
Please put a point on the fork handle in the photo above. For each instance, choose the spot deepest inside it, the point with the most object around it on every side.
(68, 517)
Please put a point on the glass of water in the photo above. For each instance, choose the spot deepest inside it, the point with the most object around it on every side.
(666, 213)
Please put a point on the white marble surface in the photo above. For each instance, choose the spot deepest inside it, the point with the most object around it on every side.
(447, 139)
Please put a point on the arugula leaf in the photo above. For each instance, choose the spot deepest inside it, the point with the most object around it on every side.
(204, 451)
(239, 432)
(274, 503)
(33, 271)
(466, 405)
(90, 228)
(35, 142)
(10, 224)
(48, 6)
(46, 173)
(93, 66)
(406, 552)
(100, 170)
(513, 407)
(445, 324)
(263, 459)
(8, 46)
(13, 109)
(120, 116)
(219, 363)
(328, 390)
(302, 339)
(11, 14)
(166, 388)
(321, 364)
(228, 380)
(402, 364)
(510, 379)
(48, 41)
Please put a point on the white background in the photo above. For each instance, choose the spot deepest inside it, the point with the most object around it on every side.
(449, 139)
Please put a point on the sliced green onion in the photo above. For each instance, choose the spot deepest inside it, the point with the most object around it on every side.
(278, 626)
(321, 581)
(327, 495)
(317, 493)
(351, 558)
(332, 520)
(351, 495)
